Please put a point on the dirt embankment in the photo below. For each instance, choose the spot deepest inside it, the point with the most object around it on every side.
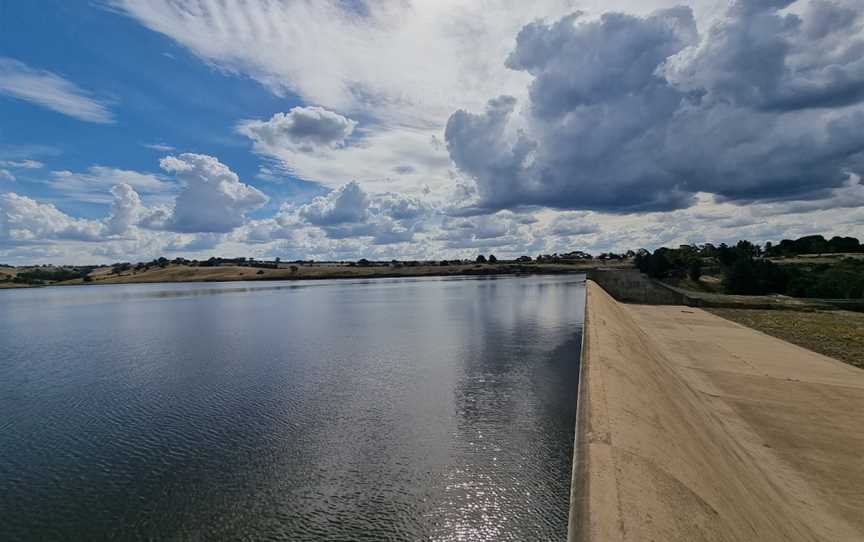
(692, 427)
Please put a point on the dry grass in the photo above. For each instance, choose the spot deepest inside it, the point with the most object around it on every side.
(183, 273)
(11, 272)
(186, 273)
(706, 283)
(816, 258)
(838, 334)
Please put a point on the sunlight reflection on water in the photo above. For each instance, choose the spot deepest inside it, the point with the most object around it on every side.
(388, 409)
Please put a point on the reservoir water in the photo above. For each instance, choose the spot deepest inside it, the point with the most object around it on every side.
(390, 409)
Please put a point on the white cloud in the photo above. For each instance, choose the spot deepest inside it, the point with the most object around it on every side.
(95, 184)
(347, 204)
(23, 220)
(347, 212)
(51, 91)
(501, 231)
(212, 199)
(400, 66)
(305, 129)
(126, 210)
(603, 91)
(21, 164)
(6, 175)
(372, 159)
(573, 224)
(161, 147)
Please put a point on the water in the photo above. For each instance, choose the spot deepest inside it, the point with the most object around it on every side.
(424, 409)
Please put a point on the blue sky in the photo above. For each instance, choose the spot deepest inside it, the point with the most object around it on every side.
(333, 129)
(156, 91)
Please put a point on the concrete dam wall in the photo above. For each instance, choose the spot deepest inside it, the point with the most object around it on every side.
(631, 286)
(691, 427)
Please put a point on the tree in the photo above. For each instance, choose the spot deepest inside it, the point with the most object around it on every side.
(754, 277)
(747, 248)
(694, 270)
(493, 259)
(481, 259)
(655, 265)
(844, 244)
(740, 278)
(118, 268)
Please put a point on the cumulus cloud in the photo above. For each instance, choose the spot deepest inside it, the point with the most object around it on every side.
(500, 230)
(401, 207)
(572, 224)
(126, 209)
(759, 58)
(347, 212)
(51, 91)
(662, 131)
(633, 114)
(24, 220)
(211, 200)
(303, 128)
(347, 204)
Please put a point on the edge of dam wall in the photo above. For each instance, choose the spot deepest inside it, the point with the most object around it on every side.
(657, 459)
(631, 286)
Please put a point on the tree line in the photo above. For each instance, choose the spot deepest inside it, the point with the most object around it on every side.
(746, 268)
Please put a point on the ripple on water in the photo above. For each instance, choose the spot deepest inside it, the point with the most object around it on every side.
(385, 410)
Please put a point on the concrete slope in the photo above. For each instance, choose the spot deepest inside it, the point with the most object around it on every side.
(695, 428)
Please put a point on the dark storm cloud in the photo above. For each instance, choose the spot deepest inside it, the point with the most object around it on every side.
(632, 114)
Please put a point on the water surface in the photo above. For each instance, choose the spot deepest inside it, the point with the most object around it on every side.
(390, 409)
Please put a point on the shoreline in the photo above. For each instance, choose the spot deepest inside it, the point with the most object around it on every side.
(184, 274)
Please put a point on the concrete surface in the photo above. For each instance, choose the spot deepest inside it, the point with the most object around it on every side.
(631, 286)
(692, 427)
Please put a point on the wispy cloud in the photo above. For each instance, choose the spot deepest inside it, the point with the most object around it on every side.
(51, 91)
(6, 175)
(94, 184)
(21, 164)
(161, 147)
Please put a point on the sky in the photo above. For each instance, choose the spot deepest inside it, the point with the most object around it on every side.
(347, 129)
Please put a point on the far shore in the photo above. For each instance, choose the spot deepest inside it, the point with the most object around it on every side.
(174, 273)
